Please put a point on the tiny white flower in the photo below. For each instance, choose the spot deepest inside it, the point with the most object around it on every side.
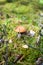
(25, 46)
(32, 33)
(10, 41)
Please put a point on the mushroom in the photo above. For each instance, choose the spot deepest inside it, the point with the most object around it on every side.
(21, 30)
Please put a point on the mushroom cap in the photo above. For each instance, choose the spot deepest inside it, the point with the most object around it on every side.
(20, 29)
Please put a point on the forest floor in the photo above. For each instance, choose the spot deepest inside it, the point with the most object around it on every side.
(27, 15)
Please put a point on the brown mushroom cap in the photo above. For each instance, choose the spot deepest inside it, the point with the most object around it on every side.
(20, 29)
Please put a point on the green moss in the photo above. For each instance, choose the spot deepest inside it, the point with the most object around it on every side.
(27, 14)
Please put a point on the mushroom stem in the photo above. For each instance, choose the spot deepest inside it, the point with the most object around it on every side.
(19, 35)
